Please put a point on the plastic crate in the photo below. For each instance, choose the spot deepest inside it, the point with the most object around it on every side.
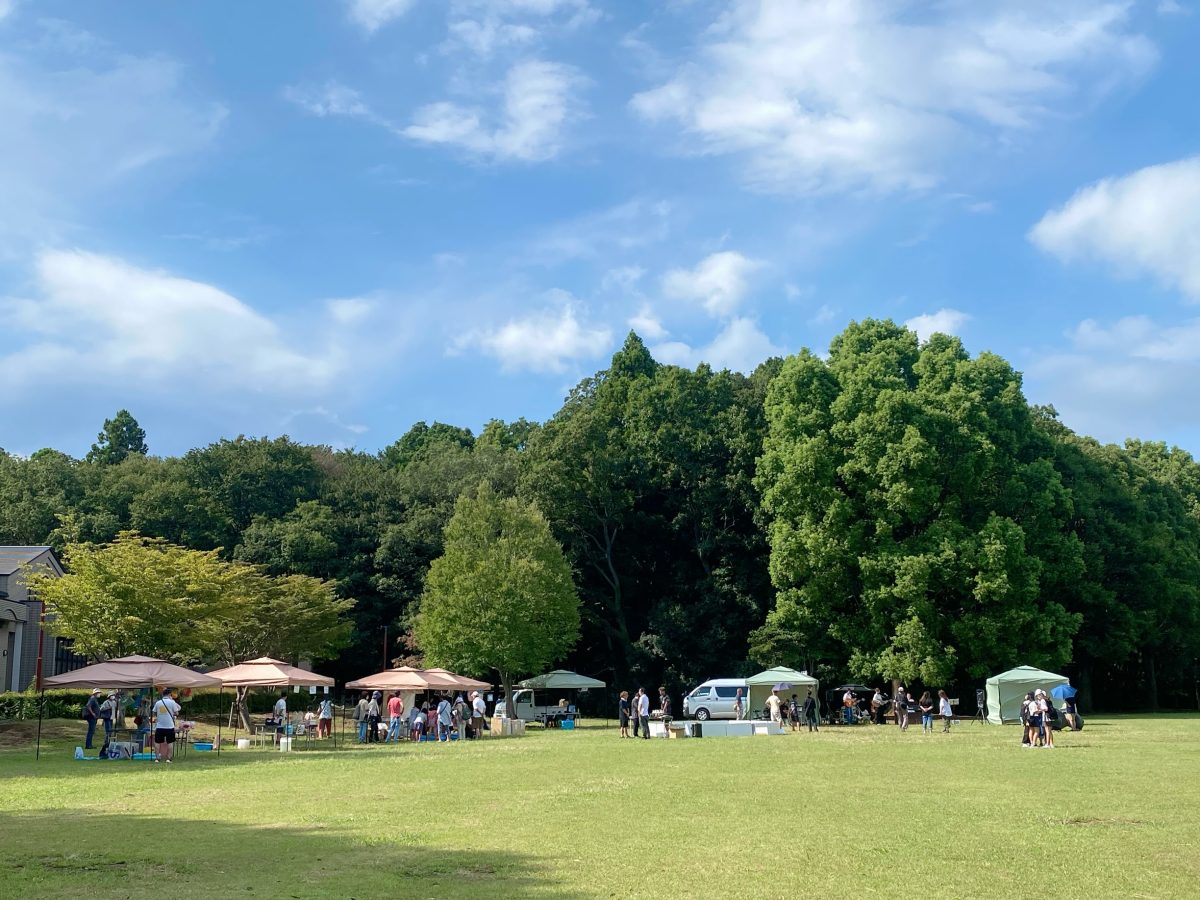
(568, 724)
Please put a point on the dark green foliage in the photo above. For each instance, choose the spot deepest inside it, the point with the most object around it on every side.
(121, 438)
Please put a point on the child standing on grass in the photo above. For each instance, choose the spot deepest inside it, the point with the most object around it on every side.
(926, 706)
(946, 710)
(623, 713)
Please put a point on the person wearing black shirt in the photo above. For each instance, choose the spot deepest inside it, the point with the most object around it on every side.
(810, 712)
(623, 713)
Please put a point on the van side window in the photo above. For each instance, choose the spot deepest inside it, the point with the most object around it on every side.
(700, 692)
(727, 693)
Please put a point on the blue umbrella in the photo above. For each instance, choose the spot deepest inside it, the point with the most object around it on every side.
(1062, 692)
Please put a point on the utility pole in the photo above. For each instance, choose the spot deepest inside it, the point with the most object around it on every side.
(385, 648)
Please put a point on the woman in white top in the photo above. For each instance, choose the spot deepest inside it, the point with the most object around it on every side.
(946, 710)
(165, 713)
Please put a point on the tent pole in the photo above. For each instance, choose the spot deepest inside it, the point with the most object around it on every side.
(220, 703)
(41, 712)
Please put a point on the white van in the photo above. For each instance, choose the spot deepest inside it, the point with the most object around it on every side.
(714, 699)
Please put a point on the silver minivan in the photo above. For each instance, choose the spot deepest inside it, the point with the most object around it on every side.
(714, 699)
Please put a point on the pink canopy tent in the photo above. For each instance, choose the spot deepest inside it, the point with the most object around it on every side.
(461, 682)
(129, 672)
(404, 678)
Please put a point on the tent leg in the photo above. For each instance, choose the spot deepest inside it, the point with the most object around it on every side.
(41, 712)
(220, 700)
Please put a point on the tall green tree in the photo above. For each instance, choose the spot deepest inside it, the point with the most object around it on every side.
(501, 596)
(914, 510)
(120, 438)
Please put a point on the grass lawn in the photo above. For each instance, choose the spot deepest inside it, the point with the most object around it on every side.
(860, 812)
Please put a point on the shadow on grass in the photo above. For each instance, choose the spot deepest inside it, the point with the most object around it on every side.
(74, 854)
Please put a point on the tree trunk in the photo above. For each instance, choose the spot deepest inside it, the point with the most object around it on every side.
(506, 686)
(243, 709)
(1151, 682)
(1085, 699)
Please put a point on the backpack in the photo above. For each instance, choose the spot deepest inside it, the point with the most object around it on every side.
(1051, 715)
(1025, 713)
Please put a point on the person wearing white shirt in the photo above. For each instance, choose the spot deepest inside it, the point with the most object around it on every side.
(644, 713)
(166, 712)
(946, 710)
(478, 712)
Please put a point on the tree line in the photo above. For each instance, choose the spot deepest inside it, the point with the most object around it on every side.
(894, 509)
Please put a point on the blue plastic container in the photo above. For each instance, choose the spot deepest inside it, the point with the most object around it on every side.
(568, 724)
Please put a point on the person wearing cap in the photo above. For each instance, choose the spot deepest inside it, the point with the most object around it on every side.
(478, 711)
(91, 712)
(166, 712)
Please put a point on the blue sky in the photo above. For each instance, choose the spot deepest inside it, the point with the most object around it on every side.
(334, 219)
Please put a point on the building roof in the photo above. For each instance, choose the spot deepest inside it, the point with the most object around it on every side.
(12, 558)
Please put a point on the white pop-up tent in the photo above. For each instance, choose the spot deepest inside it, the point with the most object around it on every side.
(1006, 691)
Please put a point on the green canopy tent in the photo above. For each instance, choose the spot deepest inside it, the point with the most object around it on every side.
(560, 680)
(1006, 691)
(761, 685)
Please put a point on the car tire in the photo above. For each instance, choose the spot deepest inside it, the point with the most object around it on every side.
(702, 714)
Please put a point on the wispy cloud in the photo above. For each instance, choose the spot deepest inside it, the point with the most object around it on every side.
(741, 346)
(371, 15)
(844, 94)
(547, 340)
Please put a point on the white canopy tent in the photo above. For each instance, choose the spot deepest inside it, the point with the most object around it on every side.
(789, 682)
(1006, 691)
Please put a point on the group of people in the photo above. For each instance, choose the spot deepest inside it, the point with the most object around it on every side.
(856, 709)
(438, 718)
(634, 713)
(109, 712)
(786, 712)
(1038, 716)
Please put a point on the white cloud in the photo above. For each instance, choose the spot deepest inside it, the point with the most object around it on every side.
(98, 318)
(544, 341)
(631, 225)
(371, 15)
(483, 27)
(1145, 222)
(740, 346)
(6, 7)
(331, 99)
(719, 282)
(648, 325)
(837, 94)
(622, 278)
(1127, 379)
(824, 315)
(349, 310)
(81, 120)
(539, 99)
(944, 321)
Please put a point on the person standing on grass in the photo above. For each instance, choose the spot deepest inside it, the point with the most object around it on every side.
(395, 708)
(636, 705)
(644, 712)
(418, 723)
(281, 715)
(1043, 705)
(478, 712)
(664, 704)
(325, 718)
(91, 715)
(166, 712)
(108, 714)
(773, 708)
(925, 704)
(360, 716)
(1033, 721)
(946, 710)
(739, 706)
(623, 713)
(794, 713)
(810, 712)
(445, 718)
(374, 717)
(902, 708)
(461, 714)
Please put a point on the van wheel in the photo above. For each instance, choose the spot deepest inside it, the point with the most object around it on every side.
(702, 714)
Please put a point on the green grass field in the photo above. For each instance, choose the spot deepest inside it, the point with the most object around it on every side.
(1114, 811)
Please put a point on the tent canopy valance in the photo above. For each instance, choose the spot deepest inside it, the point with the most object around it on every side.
(133, 672)
(268, 672)
(560, 680)
(406, 678)
(761, 685)
(1006, 691)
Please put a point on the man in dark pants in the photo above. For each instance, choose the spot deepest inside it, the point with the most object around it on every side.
(635, 712)
(91, 712)
(644, 712)
(810, 712)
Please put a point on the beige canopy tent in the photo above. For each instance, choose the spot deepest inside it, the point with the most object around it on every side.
(130, 672)
(268, 672)
(461, 682)
(406, 678)
(265, 672)
(1006, 691)
(133, 672)
(788, 681)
